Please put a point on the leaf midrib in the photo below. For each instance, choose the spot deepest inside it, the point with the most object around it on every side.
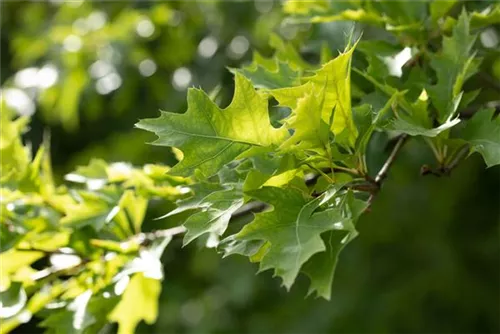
(215, 137)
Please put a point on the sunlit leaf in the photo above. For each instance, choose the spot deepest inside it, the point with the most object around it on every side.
(216, 136)
(331, 85)
(139, 302)
(12, 300)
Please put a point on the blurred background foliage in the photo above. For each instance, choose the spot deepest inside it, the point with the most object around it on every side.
(427, 258)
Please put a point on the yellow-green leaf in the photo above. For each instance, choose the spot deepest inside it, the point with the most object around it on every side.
(332, 87)
(210, 136)
(139, 302)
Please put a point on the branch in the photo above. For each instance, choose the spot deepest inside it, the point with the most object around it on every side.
(145, 237)
(446, 169)
(460, 154)
(382, 173)
(372, 187)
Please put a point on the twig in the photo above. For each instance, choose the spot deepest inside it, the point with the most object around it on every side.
(446, 169)
(382, 173)
(145, 237)
(460, 154)
(346, 170)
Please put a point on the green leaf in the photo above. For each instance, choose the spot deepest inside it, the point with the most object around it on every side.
(413, 129)
(71, 91)
(364, 123)
(37, 302)
(269, 75)
(482, 131)
(139, 302)
(284, 69)
(132, 211)
(211, 137)
(453, 67)
(412, 118)
(199, 192)
(218, 208)
(375, 52)
(12, 300)
(14, 157)
(478, 20)
(321, 267)
(13, 260)
(256, 179)
(232, 246)
(82, 315)
(310, 130)
(96, 169)
(305, 7)
(331, 85)
(416, 121)
(486, 17)
(305, 13)
(439, 9)
(287, 53)
(93, 211)
(8, 238)
(292, 228)
(74, 319)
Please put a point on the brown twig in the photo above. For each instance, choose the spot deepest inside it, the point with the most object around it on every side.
(382, 173)
(446, 169)
(458, 157)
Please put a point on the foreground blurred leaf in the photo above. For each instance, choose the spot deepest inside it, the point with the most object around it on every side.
(12, 300)
(139, 302)
(84, 314)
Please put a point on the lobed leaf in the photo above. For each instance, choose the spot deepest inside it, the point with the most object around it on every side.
(331, 85)
(139, 302)
(482, 131)
(211, 137)
(291, 232)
